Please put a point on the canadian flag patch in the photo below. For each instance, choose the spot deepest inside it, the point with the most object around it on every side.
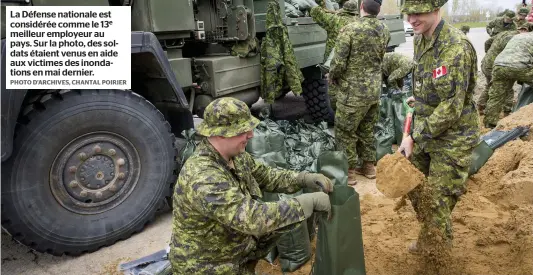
(440, 71)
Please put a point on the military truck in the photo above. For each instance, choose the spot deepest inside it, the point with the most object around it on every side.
(82, 169)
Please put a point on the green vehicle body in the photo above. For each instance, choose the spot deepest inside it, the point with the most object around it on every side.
(180, 63)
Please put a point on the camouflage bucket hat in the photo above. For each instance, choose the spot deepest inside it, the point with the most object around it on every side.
(350, 6)
(523, 11)
(227, 117)
(421, 6)
(509, 14)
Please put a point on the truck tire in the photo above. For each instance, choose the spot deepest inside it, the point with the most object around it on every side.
(315, 93)
(88, 169)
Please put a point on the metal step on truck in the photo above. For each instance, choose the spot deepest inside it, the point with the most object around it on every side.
(83, 169)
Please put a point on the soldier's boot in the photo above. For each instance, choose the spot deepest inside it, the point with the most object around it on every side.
(351, 177)
(368, 170)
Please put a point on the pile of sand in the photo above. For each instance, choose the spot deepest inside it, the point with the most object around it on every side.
(492, 223)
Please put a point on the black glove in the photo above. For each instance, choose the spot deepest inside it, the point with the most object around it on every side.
(314, 202)
(314, 181)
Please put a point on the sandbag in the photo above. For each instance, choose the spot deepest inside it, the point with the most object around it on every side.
(294, 247)
(525, 97)
(190, 145)
(385, 131)
(490, 142)
(339, 247)
(334, 165)
(399, 114)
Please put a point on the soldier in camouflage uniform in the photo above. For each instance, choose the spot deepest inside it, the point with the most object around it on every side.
(332, 23)
(220, 225)
(514, 63)
(500, 24)
(520, 18)
(445, 127)
(356, 70)
(395, 67)
(500, 41)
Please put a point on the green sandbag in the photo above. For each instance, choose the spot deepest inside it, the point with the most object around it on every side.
(294, 247)
(272, 255)
(399, 116)
(267, 138)
(190, 146)
(384, 132)
(481, 154)
(339, 248)
(524, 98)
(334, 165)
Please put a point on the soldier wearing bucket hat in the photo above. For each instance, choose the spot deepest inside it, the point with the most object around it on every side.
(445, 125)
(498, 25)
(220, 224)
(520, 18)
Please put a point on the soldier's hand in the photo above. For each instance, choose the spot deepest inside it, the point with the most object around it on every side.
(406, 148)
(314, 202)
(315, 181)
(410, 100)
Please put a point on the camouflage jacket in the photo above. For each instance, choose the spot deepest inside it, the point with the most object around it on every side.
(356, 66)
(518, 52)
(519, 22)
(278, 62)
(217, 216)
(332, 23)
(500, 41)
(396, 66)
(444, 78)
(497, 25)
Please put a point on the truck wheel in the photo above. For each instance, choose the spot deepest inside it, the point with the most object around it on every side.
(315, 93)
(89, 168)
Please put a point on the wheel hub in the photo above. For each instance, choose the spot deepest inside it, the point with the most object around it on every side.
(95, 173)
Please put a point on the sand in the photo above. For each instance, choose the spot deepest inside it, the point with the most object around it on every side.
(396, 176)
(492, 223)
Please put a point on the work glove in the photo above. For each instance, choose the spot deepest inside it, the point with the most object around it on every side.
(314, 202)
(314, 181)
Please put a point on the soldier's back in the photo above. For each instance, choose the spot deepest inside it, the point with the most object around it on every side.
(369, 38)
(518, 52)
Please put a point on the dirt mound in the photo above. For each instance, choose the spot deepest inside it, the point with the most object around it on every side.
(395, 175)
(522, 117)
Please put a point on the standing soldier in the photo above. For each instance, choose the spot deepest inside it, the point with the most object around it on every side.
(500, 24)
(446, 127)
(332, 23)
(520, 18)
(220, 225)
(514, 63)
(356, 69)
(500, 41)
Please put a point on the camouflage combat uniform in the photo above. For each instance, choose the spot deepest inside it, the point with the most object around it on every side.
(445, 127)
(332, 23)
(396, 66)
(514, 63)
(220, 225)
(356, 69)
(497, 26)
(278, 62)
(500, 40)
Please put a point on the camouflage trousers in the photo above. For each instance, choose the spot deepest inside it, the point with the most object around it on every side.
(332, 94)
(503, 79)
(447, 172)
(246, 265)
(484, 96)
(354, 131)
(488, 43)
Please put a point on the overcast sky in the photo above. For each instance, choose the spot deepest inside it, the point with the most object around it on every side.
(506, 4)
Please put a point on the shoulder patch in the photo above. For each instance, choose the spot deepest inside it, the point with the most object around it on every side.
(439, 72)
